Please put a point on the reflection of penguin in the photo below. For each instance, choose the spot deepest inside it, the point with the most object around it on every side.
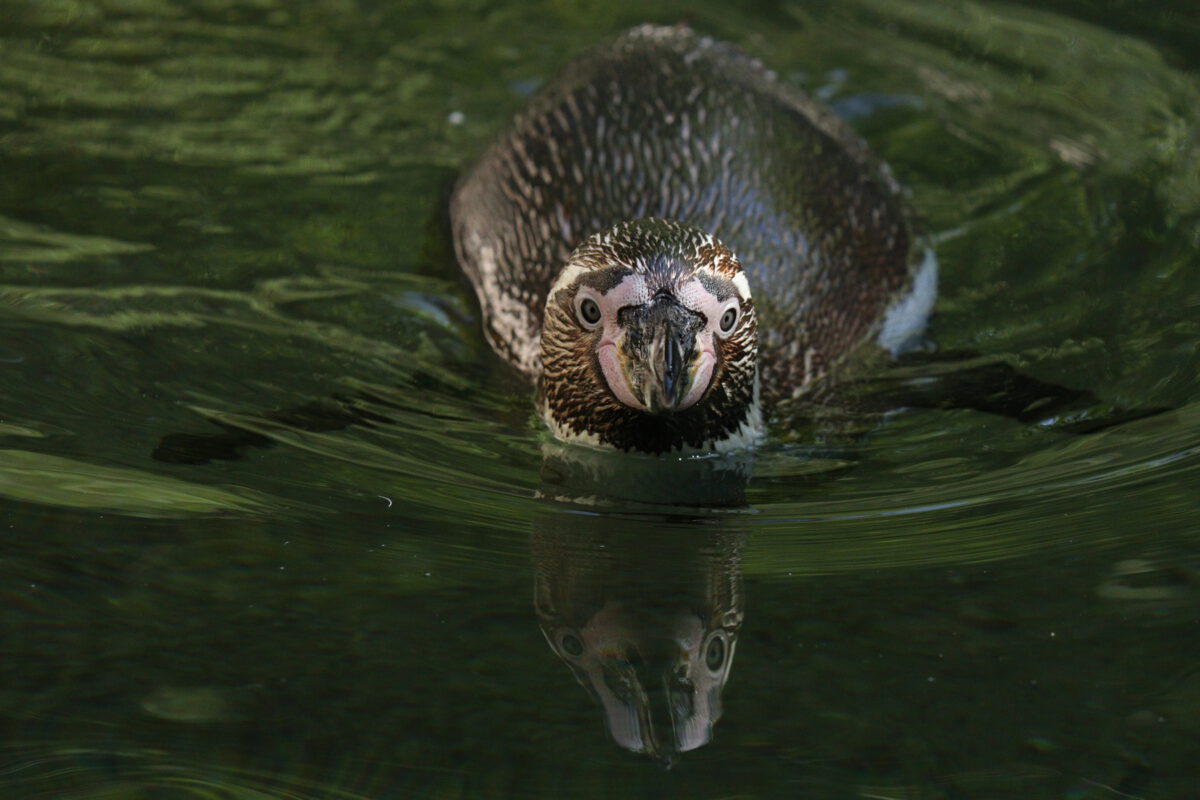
(645, 611)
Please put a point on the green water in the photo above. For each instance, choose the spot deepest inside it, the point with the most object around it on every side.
(213, 211)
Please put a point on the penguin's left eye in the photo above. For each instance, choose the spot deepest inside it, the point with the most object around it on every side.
(570, 644)
(728, 320)
(588, 312)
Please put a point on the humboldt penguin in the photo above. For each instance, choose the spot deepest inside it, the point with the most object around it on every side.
(674, 245)
(669, 240)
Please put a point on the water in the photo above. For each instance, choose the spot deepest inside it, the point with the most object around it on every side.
(225, 211)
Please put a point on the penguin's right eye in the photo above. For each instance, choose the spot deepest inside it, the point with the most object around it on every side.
(588, 312)
(570, 644)
(728, 320)
(714, 654)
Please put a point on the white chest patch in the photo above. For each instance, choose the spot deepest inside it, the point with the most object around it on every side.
(906, 319)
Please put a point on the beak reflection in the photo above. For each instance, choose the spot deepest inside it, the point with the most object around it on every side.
(655, 700)
(646, 617)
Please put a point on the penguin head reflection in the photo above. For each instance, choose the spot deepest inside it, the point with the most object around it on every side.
(644, 608)
(659, 681)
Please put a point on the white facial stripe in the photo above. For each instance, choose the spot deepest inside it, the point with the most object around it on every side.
(566, 278)
(742, 285)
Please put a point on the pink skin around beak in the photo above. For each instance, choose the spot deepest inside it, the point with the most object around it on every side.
(657, 353)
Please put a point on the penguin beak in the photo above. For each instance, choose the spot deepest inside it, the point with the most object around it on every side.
(670, 352)
(660, 353)
(657, 711)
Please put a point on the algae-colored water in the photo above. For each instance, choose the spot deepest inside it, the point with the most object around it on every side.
(224, 211)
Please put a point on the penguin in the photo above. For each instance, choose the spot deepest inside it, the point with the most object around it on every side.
(669, 241)
(674, 247)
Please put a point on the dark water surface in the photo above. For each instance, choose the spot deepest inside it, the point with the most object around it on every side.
(212, 212)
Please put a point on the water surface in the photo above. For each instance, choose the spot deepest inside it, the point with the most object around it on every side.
(224, 211)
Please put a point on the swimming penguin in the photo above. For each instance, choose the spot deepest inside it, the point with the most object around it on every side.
(674, 245)
(669, 241)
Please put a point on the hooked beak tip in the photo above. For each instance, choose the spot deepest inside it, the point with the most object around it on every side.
(674, 372)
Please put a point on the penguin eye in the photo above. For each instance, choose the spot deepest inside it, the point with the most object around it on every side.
(570, 644)
(588, 312)
(728, 320)
(714, 654)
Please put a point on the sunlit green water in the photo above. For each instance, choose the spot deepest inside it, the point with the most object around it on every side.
(213, 210)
